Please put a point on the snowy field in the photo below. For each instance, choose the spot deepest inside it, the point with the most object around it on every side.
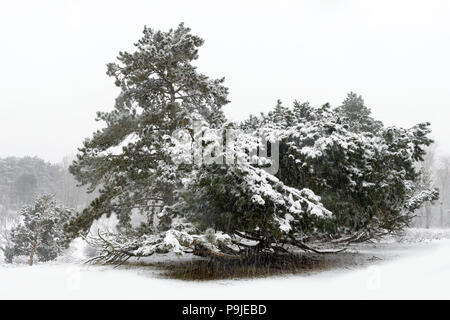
(416, 266)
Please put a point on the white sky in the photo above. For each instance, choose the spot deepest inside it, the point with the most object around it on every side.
(53, 55)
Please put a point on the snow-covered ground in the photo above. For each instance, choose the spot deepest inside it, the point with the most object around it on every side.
(416, 266)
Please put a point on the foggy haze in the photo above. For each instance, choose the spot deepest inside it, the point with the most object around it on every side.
(53, 56)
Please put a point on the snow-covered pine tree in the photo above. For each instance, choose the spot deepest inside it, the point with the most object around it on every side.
(40, 231)
(365, 174)
(161, 91)
(355, 113)
(135, 161)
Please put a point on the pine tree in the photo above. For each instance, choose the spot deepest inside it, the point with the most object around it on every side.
(207, 188)
(40, 232)
(357, 115)
(368, 178)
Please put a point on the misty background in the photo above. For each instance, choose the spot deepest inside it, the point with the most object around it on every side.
(53, 56)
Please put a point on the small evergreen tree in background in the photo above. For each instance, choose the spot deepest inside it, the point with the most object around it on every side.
(161, 92)
(40, 232)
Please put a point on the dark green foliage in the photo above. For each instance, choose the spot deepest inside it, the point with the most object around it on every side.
(365, 174)
(357, 115)
(341, 172)
(250, 201)
(23, 178)
(161, 91)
